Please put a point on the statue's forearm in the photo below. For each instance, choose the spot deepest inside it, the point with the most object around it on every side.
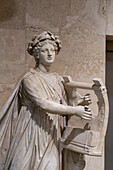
(56, 108)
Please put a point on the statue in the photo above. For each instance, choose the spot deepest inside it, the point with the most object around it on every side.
(34, 117)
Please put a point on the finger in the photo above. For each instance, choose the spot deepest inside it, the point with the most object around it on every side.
(87, 115)
(88, 112)
(87, 108)
(89, 102)
(87, 98)
(87, 94)
(86, 118)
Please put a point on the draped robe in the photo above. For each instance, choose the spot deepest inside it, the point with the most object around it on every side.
(29, 136)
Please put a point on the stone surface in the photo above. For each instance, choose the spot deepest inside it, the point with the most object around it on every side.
(82, 56)
(12, 14)
(47, 15)
(109, 29)
(30, 62)
(12, 55)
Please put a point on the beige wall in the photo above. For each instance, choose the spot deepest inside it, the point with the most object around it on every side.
(81, 25)
(109, 23)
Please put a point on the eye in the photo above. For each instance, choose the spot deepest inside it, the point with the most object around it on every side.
(52, 50)
(43, 50)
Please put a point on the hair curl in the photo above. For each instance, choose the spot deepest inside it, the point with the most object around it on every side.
(42, 39)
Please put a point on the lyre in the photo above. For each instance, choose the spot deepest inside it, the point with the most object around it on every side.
(85, 139)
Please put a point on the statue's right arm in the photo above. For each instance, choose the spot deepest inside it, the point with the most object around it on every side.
(34, 93)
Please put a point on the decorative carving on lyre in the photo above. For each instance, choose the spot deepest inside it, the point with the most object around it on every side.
(89, 138)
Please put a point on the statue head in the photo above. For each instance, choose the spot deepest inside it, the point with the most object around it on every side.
(45, 42)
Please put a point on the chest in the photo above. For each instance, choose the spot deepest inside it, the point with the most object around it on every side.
(50, 86)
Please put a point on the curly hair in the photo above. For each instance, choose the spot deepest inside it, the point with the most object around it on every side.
(42, 39)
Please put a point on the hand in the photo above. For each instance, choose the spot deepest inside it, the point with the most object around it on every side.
(85, 100)
(84, 112)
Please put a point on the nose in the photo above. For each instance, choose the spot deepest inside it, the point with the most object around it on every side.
(49, 53)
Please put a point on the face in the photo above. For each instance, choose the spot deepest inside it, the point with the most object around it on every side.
(47, 54)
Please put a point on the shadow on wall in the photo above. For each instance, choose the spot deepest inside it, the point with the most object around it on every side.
(7, 9)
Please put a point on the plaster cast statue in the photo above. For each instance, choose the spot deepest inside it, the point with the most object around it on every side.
(34, 116)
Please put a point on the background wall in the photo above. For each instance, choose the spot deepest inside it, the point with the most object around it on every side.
(82, 26)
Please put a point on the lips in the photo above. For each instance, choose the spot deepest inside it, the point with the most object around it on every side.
(49, 58)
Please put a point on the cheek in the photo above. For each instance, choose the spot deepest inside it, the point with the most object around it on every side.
(43, 56)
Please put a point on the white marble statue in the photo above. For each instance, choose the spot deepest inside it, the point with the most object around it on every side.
(32, 119)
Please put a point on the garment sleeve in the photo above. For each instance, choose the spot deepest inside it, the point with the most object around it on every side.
(32, 90)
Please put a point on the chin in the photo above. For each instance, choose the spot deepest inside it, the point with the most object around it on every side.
(50, 62)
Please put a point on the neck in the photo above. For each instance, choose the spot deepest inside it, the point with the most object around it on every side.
(43, 68)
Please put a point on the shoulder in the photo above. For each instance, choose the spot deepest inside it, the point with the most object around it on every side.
(30, 75)
(31, 78)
